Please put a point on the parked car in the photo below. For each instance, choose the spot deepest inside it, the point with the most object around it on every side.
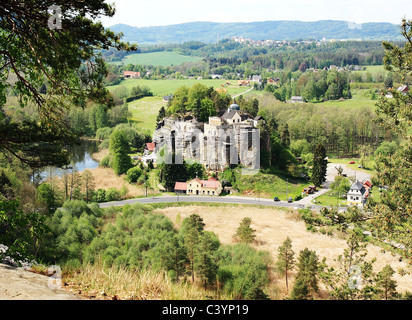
(290, 200)
(276, 199)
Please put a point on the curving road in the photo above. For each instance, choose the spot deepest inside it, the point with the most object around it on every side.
(198, 199)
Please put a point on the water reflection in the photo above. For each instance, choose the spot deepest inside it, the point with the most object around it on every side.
(81, 159)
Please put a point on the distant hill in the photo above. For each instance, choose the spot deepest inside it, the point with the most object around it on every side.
(209, 32)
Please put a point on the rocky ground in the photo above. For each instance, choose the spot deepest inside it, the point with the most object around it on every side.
(19, 284)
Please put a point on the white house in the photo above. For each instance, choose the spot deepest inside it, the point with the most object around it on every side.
(357, 194)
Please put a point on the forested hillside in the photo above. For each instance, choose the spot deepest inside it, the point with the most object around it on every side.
(275, 30)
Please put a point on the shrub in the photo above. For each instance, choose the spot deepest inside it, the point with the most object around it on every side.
(133, 174)
(103, 133)
(105, 162)
(99, 196)
(112, 194)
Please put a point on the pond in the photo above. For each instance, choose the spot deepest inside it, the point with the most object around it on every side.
(81, 159)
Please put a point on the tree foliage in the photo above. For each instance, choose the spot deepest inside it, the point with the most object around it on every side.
(394, 210)
(65, 58)
(320, 164)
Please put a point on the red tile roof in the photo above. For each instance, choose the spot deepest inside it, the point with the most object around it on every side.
(367, 183)
(181, 186)
(131, 74)
(150, 146)
(210, 183)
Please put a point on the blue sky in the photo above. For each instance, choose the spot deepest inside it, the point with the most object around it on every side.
(142, 13)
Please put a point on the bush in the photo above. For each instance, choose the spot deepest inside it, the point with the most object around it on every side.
(112, 195)
(105, 162)
(103, 133)
(99, 196)
(133, 174)
(243, 271)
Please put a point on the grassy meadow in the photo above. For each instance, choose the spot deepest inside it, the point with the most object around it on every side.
(162, 88)
(144, 112)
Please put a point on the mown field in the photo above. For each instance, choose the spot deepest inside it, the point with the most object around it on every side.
(144, 112)
(164, 59)
(162, 88)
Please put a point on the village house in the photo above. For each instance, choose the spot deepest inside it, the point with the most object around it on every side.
(131, 75)
(357, 194)
(403, 89)
(273, 81)
(257, 79)
(243, 83)
(167, 98)
(297, 99)
(149, 148)
(210, 187)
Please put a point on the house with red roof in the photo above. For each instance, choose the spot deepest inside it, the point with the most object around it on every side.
(131, 74)
(181, 187)
(150, 147)
(210, 187)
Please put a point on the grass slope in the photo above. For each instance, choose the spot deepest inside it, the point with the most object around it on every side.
(162, 88)
(145, 110)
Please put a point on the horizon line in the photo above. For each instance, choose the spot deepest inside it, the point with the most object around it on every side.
(250, 22)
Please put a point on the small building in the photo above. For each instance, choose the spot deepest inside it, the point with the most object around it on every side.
(258, 120)
(357, 194)
(150, 147)
(403, 89)
(232, 116)
(210, 187)
(181, 187)
(243, 83)
(167, 98)
(297, 99)
(131, 74)
(257, 79)
(367, 184)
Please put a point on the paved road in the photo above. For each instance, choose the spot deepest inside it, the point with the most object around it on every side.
(197, 199)
(306, 201)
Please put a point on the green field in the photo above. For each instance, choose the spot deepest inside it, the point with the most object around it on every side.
(144, 112)
(266, 185)
(360, 98)
(330, 199)
(164, 59)
(162, 88)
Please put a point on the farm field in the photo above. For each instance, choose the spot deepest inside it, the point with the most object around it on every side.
(162, 88)
(164, 59)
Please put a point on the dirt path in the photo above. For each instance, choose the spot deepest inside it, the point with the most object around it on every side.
(18, 284)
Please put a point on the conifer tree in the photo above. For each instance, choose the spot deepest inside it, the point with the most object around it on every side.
(393, 213)
(119, 149)
(306, 279)
(192, 229)
(244, 232)
(320, 165)
(285, 262)
(205, 264)
(386, 285)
